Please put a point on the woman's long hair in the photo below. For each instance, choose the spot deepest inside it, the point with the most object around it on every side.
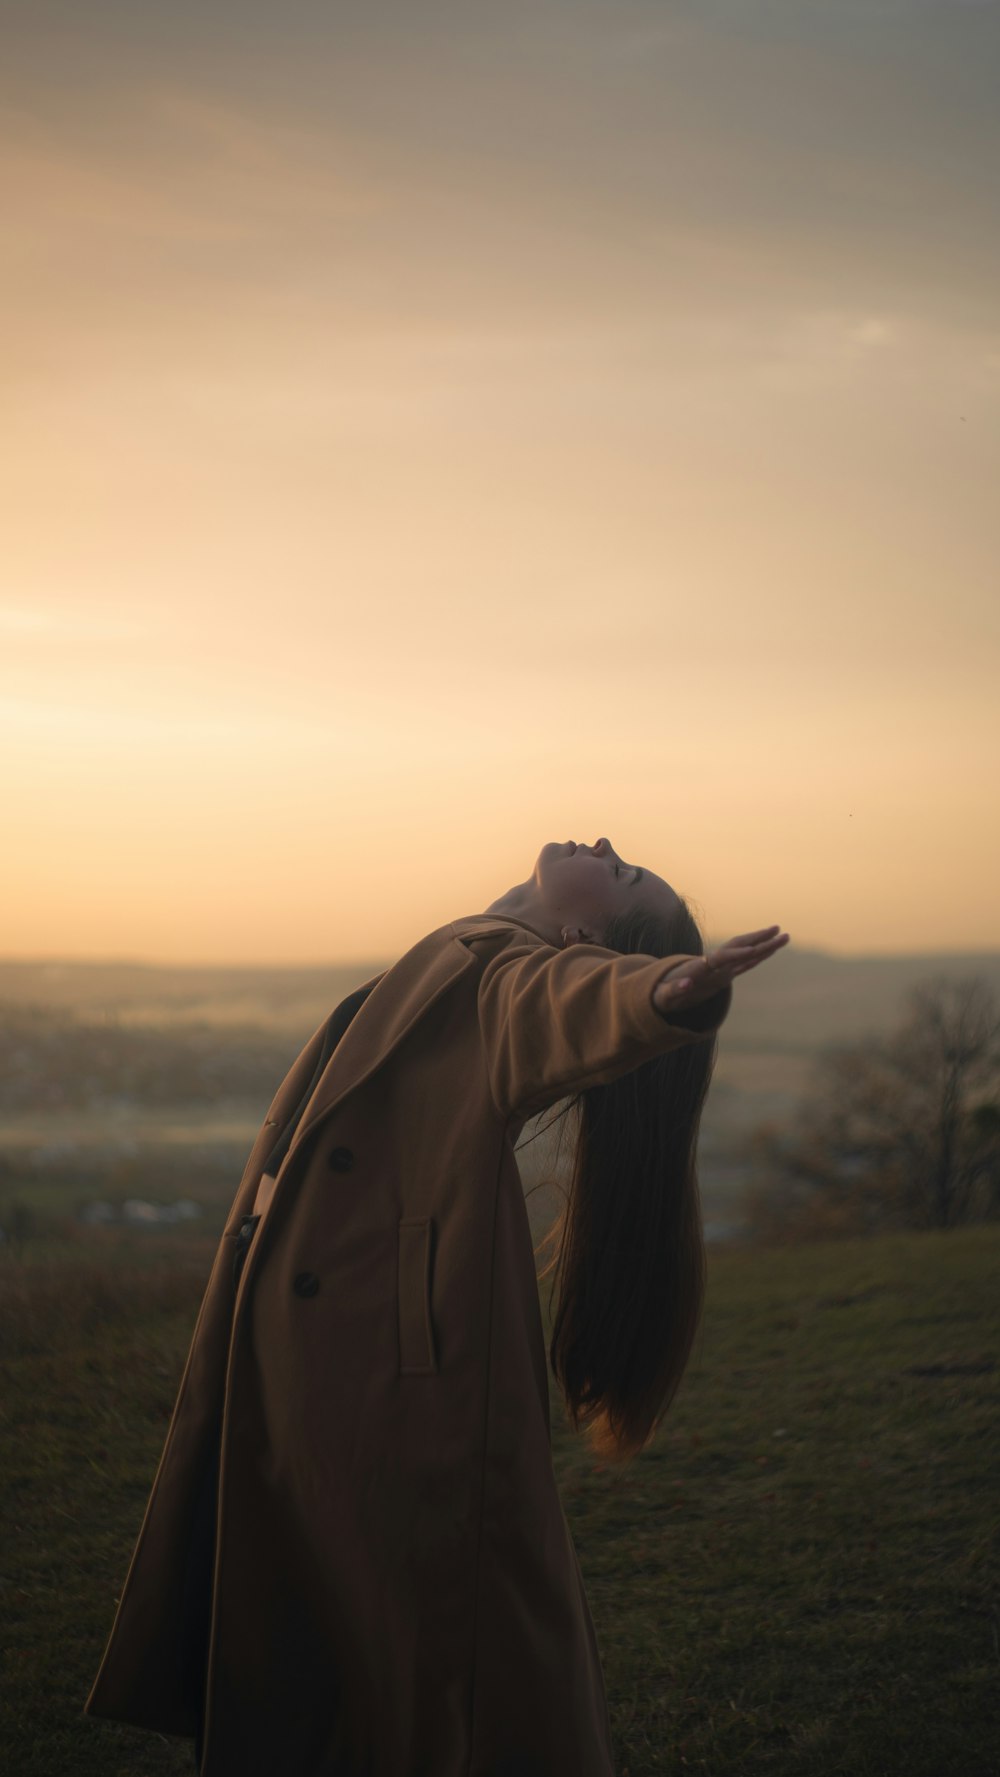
(630, 1247)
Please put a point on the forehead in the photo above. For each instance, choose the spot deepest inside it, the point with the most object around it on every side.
(658, 892)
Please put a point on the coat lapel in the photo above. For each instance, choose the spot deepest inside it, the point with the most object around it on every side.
(396, 1002)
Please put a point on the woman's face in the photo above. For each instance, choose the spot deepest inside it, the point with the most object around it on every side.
(582, 886)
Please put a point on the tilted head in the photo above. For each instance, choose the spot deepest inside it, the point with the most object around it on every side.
(576, 891)
(583, 887)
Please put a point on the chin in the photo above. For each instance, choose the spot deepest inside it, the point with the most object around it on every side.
(552, 852)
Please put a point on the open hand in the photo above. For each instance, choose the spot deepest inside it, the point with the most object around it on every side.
(699, 977)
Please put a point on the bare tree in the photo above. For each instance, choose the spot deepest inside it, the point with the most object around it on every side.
(901, 1131)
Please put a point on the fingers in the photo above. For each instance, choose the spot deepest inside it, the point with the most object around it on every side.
(744, 953)
(754, 937)
(748, 944)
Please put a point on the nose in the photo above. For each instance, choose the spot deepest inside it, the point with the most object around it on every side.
(602, 846)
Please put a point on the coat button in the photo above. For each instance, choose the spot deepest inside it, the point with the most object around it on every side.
(341, 1159)
(306, 1283)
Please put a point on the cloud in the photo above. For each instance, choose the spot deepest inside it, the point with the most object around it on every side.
(872, 331)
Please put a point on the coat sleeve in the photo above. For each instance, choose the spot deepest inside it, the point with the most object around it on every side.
(555, 1021)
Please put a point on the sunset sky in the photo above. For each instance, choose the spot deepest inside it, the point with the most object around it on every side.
(434, 430)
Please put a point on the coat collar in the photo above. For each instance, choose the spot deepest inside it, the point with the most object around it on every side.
(479, 923)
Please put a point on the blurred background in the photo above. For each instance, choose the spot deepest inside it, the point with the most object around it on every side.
(432, 431)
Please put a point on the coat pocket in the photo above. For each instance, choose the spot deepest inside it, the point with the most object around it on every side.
(416, 1330)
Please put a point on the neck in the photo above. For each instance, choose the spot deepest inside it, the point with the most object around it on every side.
(521, 902)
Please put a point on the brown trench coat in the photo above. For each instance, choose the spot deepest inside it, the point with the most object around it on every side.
(395, 1591)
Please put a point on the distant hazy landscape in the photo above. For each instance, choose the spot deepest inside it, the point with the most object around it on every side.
(126, 1080)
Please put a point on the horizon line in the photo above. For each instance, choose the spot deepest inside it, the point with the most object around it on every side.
(55, 960)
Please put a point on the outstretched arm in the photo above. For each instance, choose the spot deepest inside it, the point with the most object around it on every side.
(556, 1021)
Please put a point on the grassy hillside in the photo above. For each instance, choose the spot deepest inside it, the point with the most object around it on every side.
(800, 1578)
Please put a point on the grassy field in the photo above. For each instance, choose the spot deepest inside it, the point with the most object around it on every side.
(801, 1577)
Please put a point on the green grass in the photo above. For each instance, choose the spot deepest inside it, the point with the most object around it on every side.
(801, 1576)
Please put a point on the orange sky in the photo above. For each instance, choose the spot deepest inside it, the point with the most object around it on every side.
(425, 443)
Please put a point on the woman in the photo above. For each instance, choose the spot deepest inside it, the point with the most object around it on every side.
(393, 1590)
